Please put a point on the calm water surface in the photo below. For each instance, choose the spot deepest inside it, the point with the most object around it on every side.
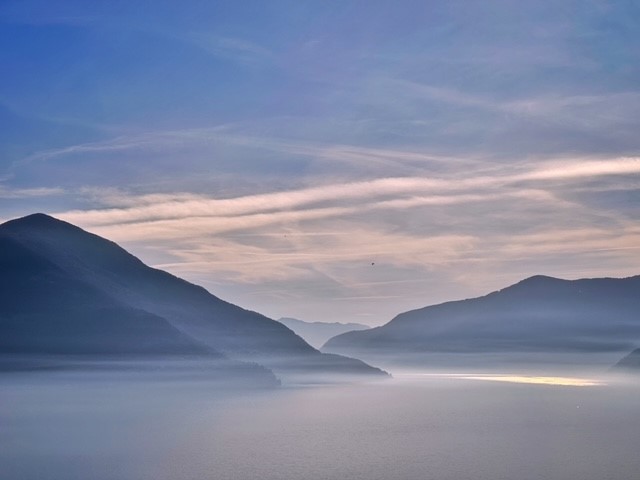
(67, 426)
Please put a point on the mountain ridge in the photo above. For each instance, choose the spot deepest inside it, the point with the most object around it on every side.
(539, 313)
(317, 333)
(630, 362)
(94, 284)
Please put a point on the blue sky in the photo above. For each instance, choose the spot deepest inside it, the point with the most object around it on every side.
(331, 160)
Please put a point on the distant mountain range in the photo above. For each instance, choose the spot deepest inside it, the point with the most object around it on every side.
(66, 291)
(539, 314)
(317, 333)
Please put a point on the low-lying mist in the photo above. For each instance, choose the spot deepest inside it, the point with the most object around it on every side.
(178, 422)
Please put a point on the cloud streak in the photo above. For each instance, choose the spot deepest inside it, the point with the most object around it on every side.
(18, 193)
(390, 193)
(234, 49)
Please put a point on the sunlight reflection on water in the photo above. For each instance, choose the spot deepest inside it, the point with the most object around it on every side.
(510, 378)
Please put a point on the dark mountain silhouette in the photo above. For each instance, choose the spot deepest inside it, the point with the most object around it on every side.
(64, 290)
(539, 314)
(630, 362)
(317, 333)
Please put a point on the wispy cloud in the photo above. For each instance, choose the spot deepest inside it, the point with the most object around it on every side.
(235, 49)
(377, 193)
(232, 135)
(124, 143)
(287, 257)
(569, 110)
(16, 193)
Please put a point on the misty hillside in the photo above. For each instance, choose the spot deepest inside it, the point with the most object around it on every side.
(64, 290)
(539, 314)
(631, 361)
(317, 333)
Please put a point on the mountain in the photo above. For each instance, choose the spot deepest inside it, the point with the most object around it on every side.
(66, 291)
(539, 314)
(630, 362)
(317, 333)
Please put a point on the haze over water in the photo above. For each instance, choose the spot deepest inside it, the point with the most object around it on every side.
(108, 426)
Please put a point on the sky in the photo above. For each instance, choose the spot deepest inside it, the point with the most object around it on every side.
(331, 160)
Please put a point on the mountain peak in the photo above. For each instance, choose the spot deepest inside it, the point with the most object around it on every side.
(539, 314)
(539, 279)
(37, 220)
(535, 282)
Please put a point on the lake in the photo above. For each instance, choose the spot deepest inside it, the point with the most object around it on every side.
(70, 425)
